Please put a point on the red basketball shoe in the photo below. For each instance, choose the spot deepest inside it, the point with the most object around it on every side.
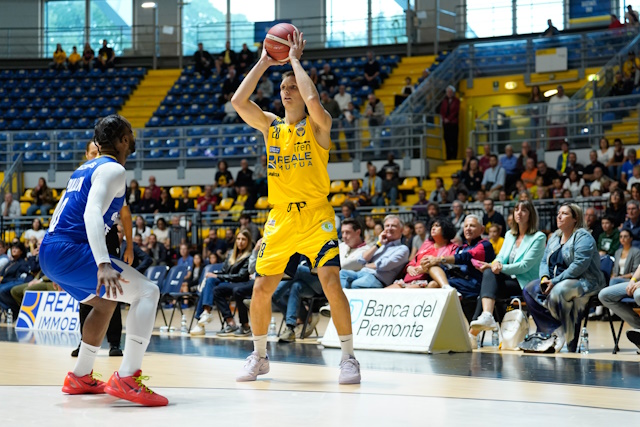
(132, 389)
(87, 384)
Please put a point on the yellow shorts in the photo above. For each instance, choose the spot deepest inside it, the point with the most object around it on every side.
(298, 229)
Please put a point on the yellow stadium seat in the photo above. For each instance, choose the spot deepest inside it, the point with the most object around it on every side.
(236, 210)
(22, 236)
(9, 235)
(55, 194)
(262, 203)
(195, 191)
(225, 204)
(27, 197)
(338, 199)
(408, 183)
(175, 192)
(222, 232)
(337, 187)
(24, 206)
(412, 199)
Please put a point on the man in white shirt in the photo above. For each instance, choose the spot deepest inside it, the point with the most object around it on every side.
(352, 246)
(343, 98)
(10, 208)
(557, 118)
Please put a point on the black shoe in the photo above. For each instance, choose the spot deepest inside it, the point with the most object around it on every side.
(75, 352)
(115, 351)
(634, 336)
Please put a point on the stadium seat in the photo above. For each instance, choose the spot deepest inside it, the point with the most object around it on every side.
(24, 206)
(225, 204)
(262, 203)
(338, 199)
(175, 192)
(337, 186)
(195, 191)
(409, 183)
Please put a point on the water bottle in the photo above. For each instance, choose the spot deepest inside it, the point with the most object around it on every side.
(9, 317)
(495, 338)
(183, 325)
(273, 332)
(584, 341)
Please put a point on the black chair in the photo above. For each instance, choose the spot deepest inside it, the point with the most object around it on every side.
(319, 299)
(616, 336)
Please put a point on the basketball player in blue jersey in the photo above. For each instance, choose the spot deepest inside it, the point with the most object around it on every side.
(74, 255)
(302, 222)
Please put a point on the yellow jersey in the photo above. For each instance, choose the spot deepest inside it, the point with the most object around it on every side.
(297, 164)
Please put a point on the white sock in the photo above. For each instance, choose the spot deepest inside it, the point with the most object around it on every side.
(134, 349)
(346, 344)
(260, 345)
(86, 359)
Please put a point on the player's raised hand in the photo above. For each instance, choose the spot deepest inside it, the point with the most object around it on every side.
(297, 45)
(110, 279)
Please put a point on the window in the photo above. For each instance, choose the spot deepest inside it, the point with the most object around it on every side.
(243, 16)
(389, 22)
(346, 23)
(489, 19)
(64, 24)
(532, 15)
(204, 21)
(111, 20)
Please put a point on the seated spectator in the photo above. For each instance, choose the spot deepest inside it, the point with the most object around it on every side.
(38, 284)
(36, 231)
(278, 109)
(407, 235)
(633, 221)
(539, 191)
(13, 274)
(635, 178)
(234, 271)
(626, 259)
(495, 238)
(161, 231)
(420, 207)
(357, 196)
(514, 267)
(223, 180)
(348, 210)
(573, 183)
(59, 59)
(245, 58)
(592, 222)
(611, 297)
(439, 194)
(530, 173)
(457, 185)
(391, 165)
(266, 86)
(230, 113)
(630, 69)
(207, 200)
(437, 244)
(42, 199)
(141, 260)
(425, 74)
(133, 196)
(600, 181)
(491, 216)
(621, 86)
(74, 60)
(404, 92)
(469, 155)
(177, 233)
(390, 188)
(349, 124)
(4, 259)
(147, 204)
(485, 160)
(382, 262)
(548, 175)
(230, 84)
(569, 275)
(493, 179)
(157, 251)
(343, 98)
(88, 57)
(153, 189)
(588, 173)
(166, 203)
(418, 239)
(185, 203)
(142, 229)
(227, 58)
(457, 216)
(106, 57)
(526, 153)
(616, 160)
(372, 186)
(433, 210)
(203, 61)
(194, 276)
(185, 258)
(213, 245)
(247, 224)
(371, 71)
(616, 206)
(626, 170)
(609, 239)
(261, 100)
(327, 80)
(10, 208)
(509, 162)
(244, 199)
(573, 165)
(244, 176)
(375, 114)
(472, 178)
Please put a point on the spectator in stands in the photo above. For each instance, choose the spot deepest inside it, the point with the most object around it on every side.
(439, 194)
(592, 222)
(551, 30)
(230, 114)
(166, 203)
(495, 238)
(526, 153)
(153, 189)
(246, 223)
(420, 207)
(627, 259)
(382, 262)
(185, 258)
(530, 173)
(278, 108)
(230, 84)
(494, 178)
(468, 156)
(457, 185)
(626, 170)
(473, 177)
(425, 75)
(35, 232)
(539, 191)
(313, 75)
(373, 187)
(635, 191)
(228, 59)
(418, 239)
(548, 175)
(203, 61)
(616, 159)
(433, 210)
(42, 199)
(134, 196)
(615, 22)
(631, 17)
(142, 229)
(333, 109)
(573, 165)
(266, 86)
(245, 59)
(156, 251)
(589, 171)
(491, 216)
(343, 98)
(404, 92)
(390, 188)
(88, 57)
(147, 204)
(484, 162)
(177, 233)
(449, 110)
(141, 259)
(457, 216)
(13, 274)
(260, 100)
(357, 196)
(244, 177)
(573, 183)
(59, 59)
(563, 158)
(207, 200)
(327, 79)
(194, 276)
(609, 239)
(391, 165)
(509, 162)
(260, 177)
(185, 203)
(514, 267)
(161, 231)
(106, 57)
(74, 60)
(10, 208)
(348, 210)
(213, 245)
(633, 221)
(224, 180)
(635, 178)
(376, 116)
(372, 71)
(623, 86)
(219, 286)
(407, 234)
(349, 123)
(558, 118)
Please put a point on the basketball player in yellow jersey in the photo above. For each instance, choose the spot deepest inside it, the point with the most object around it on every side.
(302, 222)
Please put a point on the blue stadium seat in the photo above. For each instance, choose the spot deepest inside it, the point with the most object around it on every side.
(193, 152)
(59, 113)
(154, 121)
(16, 124)
(106, 111)
(83, 123)
(69, 102)
(50, 123)
(201, 120)
(27, 113)
(33, 124)
(76, 112)
(173, 153)
(172, 143)
(185, 121)
(191, 142)
(162, 110)
(65, 145)
(66, 123)
(11, 113)
(156, 154)
(65, 156)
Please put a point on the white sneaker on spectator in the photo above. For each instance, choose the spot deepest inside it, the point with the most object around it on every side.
(197, 330)
(205, 318)
(253, 366)
(485, 322)
(325, 310)
(349, 371)
(473, 339)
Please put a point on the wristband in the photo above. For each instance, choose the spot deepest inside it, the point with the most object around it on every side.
(379, 244)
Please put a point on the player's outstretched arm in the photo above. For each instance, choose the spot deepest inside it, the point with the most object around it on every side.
(245, 107)
(307, 89)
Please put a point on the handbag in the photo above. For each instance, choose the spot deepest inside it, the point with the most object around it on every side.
(538, 343)
(514, 327)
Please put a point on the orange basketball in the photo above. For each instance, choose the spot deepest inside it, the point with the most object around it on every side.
(276, 42)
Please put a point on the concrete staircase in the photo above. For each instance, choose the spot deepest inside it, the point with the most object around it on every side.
(147, 97)
(626, 130)
(443, 171)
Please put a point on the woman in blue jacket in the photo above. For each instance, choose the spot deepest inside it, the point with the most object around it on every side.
(569, 275)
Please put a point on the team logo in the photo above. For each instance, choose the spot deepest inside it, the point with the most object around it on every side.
(300, 131)
(29, 310)
(271, 164)
(356, 306)
(327, 226)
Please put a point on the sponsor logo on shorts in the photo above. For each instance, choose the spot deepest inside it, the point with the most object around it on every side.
(275, 150)
(271, 222)
(327, 226)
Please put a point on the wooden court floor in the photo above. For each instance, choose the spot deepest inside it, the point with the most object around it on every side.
(484, 387)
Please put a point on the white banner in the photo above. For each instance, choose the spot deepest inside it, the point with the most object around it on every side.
(49, 311)
(411, 320)
(549, 60)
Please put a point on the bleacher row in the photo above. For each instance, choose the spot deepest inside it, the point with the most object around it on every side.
(407, 190)
(196, 100)
(48, 99)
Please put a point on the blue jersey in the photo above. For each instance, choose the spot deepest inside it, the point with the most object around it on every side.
(67, 222)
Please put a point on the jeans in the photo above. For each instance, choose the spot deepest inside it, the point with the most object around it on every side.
(206, 296)
(304, 285)
(392, 195)
(44, 209)
(6, 300)
(350, 279)
(611, 297)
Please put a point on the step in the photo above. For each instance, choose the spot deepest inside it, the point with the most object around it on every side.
(417, 59)
(145, 101)
(170, 72)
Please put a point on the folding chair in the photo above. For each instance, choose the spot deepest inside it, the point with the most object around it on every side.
(616, 336)
(320, 299)
(171, 285)
(156, 274)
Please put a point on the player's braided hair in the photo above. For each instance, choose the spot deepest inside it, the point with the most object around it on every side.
(108, 130)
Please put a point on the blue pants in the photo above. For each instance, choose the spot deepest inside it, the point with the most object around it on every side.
(611, 297)
(6, 300)
(289, 293)
(350, 279)
(206, 296)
